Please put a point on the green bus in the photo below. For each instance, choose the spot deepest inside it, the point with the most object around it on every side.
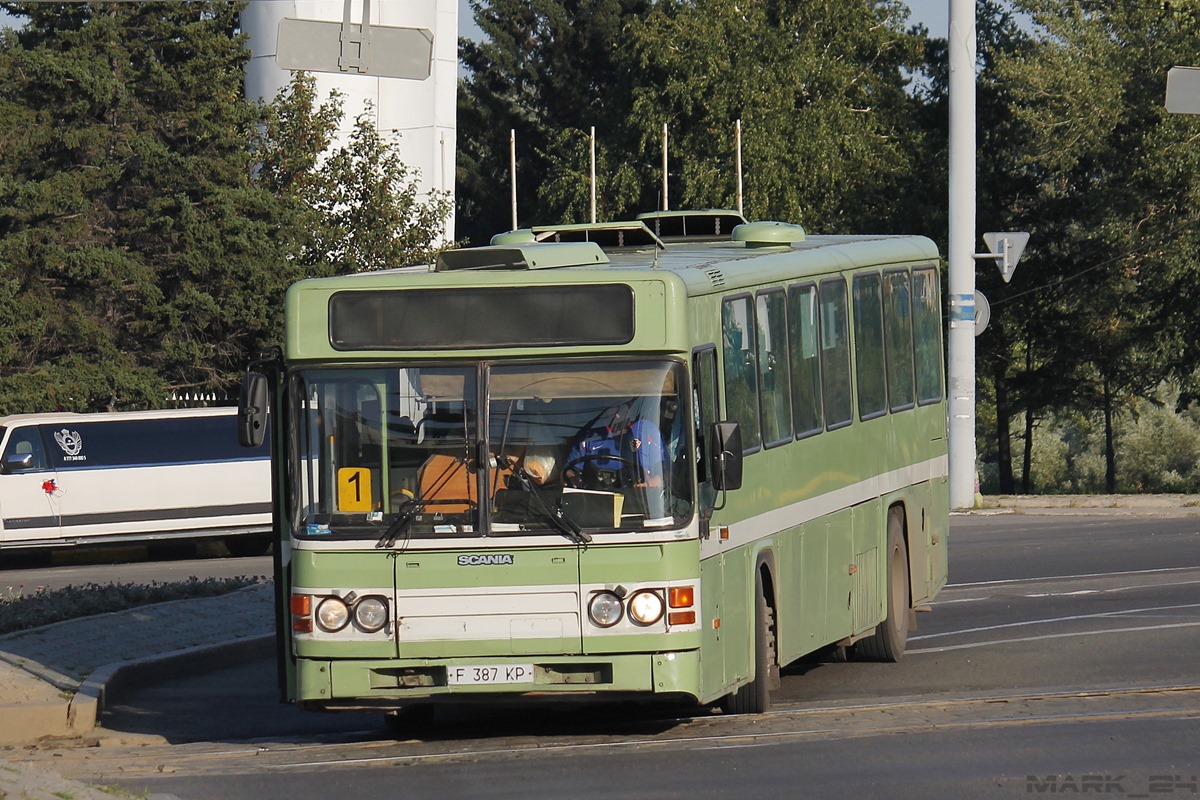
(655, 460)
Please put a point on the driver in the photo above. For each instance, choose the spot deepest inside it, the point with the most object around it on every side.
(619, 451)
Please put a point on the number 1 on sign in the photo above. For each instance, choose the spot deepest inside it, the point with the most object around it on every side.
(354, 489)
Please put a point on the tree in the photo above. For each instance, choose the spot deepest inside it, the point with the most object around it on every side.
(145, 247)
(128, 225)
(1112, 175)
(543, 68)
(820, 89)
(356, 205)
(830, 134)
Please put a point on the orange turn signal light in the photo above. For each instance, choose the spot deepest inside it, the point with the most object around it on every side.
(681, 596)
(301, 605)
(681, 618)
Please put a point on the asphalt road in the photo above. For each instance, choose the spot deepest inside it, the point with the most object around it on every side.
(1061, 659)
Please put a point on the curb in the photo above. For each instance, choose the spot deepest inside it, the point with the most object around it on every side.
(107, 684)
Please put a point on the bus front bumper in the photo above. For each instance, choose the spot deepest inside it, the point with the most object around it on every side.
(362, 684)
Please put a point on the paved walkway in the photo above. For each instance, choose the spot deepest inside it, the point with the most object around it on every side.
(53, 679)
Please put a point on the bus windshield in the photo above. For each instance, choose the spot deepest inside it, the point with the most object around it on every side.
(403, 451)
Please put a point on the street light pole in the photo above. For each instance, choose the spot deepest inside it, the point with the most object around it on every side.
(961, 336)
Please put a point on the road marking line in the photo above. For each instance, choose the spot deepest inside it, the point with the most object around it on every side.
(1068, 577)
(1022, 639)
(1072, 618)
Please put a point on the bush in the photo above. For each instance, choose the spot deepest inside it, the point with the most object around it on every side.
(1156, 442)
(20, 611)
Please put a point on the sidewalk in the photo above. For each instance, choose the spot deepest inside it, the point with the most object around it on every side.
(1174, 505)
(54, 680)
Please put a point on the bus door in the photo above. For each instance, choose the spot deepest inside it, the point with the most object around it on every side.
(30, 499)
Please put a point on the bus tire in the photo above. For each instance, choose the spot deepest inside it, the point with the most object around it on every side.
(755, 697)
(888, 641)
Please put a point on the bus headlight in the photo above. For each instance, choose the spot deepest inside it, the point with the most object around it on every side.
(605, 609)
(646, 607)
(332, 614)
(370, 614)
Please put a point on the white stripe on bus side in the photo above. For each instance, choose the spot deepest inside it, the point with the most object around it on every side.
(772, 522)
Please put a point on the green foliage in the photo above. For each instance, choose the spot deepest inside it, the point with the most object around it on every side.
(128, 226)
(544, 67)
(22, 608)
(356, 207)
(1157, 448)
(819, 87)
(1100, 174)
(148, 227)
(829, 133)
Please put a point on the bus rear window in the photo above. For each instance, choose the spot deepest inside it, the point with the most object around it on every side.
(481, 316)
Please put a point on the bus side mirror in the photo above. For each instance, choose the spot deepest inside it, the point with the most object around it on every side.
(727, 456)
(252, 409)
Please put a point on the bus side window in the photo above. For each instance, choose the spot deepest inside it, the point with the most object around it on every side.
(898, 338)
(927, 330)
(774, 367)
(870, 370)
(741, 368)
(704, 401)
(806, 359)
(835, 353)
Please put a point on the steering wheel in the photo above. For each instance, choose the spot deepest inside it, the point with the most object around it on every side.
(577, 465)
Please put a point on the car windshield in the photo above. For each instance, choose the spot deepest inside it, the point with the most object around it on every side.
(398, 452)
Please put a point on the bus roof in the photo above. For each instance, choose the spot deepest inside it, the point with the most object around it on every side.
(703, 266)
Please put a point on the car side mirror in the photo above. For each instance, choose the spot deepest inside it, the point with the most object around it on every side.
(727, 456)
(18, 462)
(252, 409)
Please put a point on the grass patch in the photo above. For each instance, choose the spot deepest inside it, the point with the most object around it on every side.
(21, 609)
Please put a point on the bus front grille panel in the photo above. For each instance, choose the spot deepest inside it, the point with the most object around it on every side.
(543, 620)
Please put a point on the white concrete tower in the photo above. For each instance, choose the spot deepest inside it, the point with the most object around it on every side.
(419, 116)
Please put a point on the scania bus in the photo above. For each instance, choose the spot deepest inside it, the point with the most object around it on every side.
(654, 460)
(143, 476)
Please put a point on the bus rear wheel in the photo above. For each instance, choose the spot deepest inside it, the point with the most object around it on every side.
(755, 696)
(891, 635)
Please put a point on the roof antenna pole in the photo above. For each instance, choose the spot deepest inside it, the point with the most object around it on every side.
(739, 168)
(512, 170)
(666, 205)
(593, 175)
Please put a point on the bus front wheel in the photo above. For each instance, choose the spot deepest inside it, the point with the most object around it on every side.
(755, 697)
(891, 636)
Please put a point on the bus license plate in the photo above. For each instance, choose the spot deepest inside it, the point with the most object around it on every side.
(489, 674)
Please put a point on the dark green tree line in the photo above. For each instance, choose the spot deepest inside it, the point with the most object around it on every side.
(1103, 177)
(830, 134)
(151, 217)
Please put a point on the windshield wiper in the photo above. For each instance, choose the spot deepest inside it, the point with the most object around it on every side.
(557, 517)
(399, 526)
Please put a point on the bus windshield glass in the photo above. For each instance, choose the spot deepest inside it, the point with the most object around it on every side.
(403, 451)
